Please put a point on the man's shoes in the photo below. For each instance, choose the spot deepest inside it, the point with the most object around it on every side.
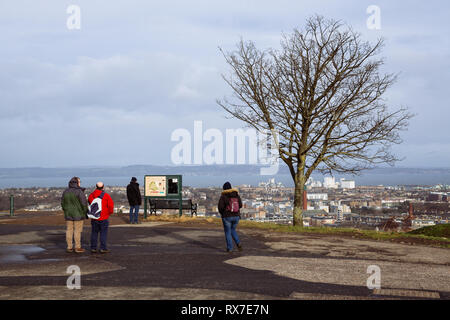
(104, 251)
(94, 251)
(69, 250)
(79, 250)
(239, 247)
(229, 251)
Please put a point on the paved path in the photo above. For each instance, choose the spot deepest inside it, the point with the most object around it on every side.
(157, 260)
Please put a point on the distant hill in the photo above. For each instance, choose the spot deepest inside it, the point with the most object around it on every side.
(204, 175)
(204, 170)
(212, 170)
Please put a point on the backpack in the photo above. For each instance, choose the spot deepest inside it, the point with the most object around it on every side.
(95, 208)
(233, 205)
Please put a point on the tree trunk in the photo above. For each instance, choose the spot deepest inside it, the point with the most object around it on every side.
(298, 200)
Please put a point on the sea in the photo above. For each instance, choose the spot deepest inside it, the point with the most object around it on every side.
(204, 181)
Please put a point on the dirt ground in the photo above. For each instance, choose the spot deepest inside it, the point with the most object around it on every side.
(47, 218)
(164, 260)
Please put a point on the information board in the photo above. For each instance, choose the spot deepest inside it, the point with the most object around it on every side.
(155, 186)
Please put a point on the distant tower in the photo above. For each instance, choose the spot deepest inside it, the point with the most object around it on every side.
(305, 200)
(407, 222)
(329, 182)
(340, 215)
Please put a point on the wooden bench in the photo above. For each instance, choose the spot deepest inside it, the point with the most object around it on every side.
(186, 204)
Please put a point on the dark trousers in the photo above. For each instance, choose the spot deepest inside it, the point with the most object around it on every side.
(102, 228)
(134, 213)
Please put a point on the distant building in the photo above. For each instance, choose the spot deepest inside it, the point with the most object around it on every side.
(252, 213)
(271, 184)
(201, 210)
(318, 221)
(419, 223)
(340, 215)
(309, 214)
(329, 183)
(348, 184)
(340, 208)
(317, 196)
(313, 183)
(437, 196)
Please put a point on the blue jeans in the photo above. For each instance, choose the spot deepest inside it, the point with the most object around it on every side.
(134, 215)
(229, 226)
(102, 228)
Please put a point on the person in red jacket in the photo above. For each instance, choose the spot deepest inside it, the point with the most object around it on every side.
(101, 225)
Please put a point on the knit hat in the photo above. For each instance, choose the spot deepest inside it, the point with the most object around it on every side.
(227, 186)
(133, 179)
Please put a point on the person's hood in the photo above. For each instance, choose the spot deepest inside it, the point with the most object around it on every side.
(229, 191)
(73, 183)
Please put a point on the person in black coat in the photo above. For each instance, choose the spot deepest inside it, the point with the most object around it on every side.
(134, 199)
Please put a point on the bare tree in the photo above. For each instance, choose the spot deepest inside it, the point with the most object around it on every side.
(322, 92)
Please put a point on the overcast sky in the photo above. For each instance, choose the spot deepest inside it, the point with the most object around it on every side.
(112, 92)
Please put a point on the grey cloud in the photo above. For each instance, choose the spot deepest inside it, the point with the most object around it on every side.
(137, 70)
(160, 82)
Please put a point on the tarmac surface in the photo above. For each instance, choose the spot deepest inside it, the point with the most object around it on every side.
(163, 260)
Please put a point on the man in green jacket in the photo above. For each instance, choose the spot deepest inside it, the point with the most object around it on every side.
(75, 207)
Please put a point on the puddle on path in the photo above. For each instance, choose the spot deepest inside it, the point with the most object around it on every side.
(18, 253)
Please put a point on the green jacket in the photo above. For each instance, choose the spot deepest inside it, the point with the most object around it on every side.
(73, 202)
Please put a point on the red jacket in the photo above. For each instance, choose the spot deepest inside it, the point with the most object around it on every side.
(107, 204)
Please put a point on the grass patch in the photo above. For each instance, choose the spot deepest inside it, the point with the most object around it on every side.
(440, 230)
(402, 237)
